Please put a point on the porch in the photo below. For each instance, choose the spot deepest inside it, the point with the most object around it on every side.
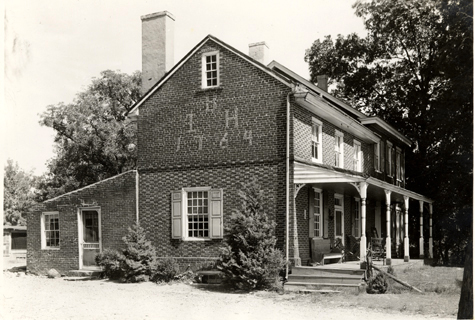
(349, 208)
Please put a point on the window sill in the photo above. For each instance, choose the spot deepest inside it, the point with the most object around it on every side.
(197, 239)
(377, 171)
(316, 160)
(51, 249)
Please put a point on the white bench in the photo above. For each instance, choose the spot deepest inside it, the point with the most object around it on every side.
(321, 251)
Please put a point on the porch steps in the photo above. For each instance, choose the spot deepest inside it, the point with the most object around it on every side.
(321, 279)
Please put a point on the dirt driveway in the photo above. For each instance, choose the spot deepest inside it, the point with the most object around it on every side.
(32, 297)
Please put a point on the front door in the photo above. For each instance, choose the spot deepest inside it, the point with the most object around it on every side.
(90, 238)
(339, 219)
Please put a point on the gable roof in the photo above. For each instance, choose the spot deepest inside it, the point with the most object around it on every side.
(290, 79)
(177, 66)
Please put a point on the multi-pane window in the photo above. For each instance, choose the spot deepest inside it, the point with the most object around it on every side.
(198, 214)
(398, 164)
(377, 159)
(316, 140)
(210, 67)
(389, 159)
(317, 212)
(50, 230)
(338, 149)
(357, 157)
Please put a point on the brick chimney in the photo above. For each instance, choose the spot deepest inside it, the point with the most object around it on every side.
(322, 82)
(157, 47)
(259, 51)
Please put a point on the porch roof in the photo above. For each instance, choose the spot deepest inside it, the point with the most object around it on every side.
(318, 173)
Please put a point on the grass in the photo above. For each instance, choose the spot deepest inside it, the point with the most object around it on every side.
(440, 286)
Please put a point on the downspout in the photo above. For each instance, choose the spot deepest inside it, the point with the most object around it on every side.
(287, 185)
(137, 195)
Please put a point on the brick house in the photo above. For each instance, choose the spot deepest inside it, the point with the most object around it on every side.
(214, 120)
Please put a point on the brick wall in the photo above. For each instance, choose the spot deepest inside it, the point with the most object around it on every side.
(155, 207)
(217, 138)
(116, 199)
(183, 124)
(301, 127)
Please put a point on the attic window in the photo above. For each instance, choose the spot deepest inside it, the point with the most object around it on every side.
(210, 69)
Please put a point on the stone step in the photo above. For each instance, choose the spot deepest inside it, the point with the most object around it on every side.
(306, 287)
(326, 279)
(79, 278)
(210, 276)
(84, 273)
(326, 271)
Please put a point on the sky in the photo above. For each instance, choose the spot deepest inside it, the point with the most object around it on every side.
(53, 48)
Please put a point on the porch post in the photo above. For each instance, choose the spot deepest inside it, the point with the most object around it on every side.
(388, 227)
(297, 261)
(406, 229)
(363, 188)
(430, 232)
(421, 221)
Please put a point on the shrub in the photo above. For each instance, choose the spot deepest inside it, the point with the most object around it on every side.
(136, 261)
(249, 259)
(165, 270)
(378, 284)
(110, 260)
(140, 255)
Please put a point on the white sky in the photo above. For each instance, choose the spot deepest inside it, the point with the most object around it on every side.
(53, 48)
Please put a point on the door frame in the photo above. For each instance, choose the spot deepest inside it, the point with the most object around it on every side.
(81, 233)
(342, 209)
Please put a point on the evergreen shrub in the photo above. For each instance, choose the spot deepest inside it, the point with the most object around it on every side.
(165, 270)
(136, 261)
(110, 260)
(249, 259)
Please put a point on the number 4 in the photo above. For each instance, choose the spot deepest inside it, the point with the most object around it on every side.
(248, 136)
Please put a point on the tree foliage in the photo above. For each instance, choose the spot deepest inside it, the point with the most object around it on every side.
(249, 259)
(94, 139)
(414, 69)
(18, 194)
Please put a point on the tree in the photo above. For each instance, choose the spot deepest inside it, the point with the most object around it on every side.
(414, 69)
(94, 139)
(249, 259)
(18, 194)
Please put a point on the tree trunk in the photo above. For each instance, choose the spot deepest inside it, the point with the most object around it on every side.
(466, 295)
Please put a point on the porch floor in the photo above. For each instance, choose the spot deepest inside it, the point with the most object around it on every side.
(355, 265)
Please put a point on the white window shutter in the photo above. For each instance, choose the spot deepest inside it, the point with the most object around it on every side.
(216, 214)
(177, 215)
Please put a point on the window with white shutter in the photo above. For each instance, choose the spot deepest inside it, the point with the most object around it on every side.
(197, 214)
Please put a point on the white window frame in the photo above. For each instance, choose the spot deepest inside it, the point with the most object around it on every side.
(44, 245)
(389, 158)
(318, 213)
(185, 213)
(342, 209)
(339, 149)
(317, 126)
(358, 156)
(377, 156)
(204, 74)
(357, 218)
(398, 164)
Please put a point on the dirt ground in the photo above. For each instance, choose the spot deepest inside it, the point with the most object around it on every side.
(32, 297)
